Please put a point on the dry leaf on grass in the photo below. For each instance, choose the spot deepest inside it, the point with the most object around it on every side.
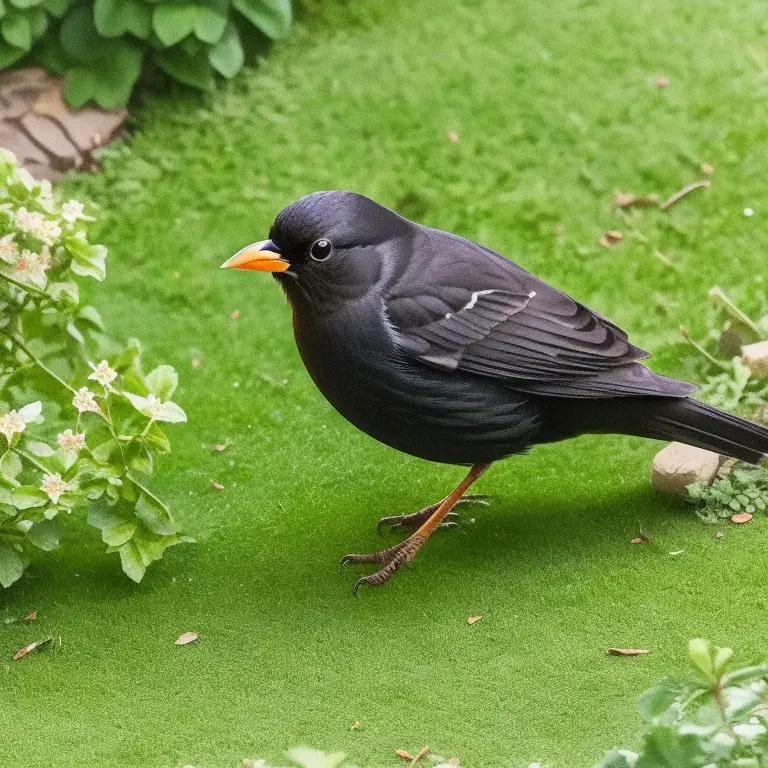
(195, 362)
(32, 616)
(235, 314)
(453, 137)
(627, 200)
(37, 645)
(707, 168)
(217, 486)
(219, 448)
(741, 517)
(676, 552)
(639, 540)
(421, 753)
(403, 753)
(661, 82)
(355, 726)
(626, 652)
(473, 620)
(186, 638)
(611, 238)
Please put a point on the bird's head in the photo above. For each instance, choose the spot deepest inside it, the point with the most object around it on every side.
(326, 247)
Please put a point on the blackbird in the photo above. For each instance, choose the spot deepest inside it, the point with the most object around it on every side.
(446, 350)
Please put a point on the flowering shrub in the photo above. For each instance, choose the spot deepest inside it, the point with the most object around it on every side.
(73, 434)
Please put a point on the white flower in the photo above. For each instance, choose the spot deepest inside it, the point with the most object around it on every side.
(749, 731)
(154, 406)
(71, 441)
(35, 224)
(9, 251)
(72, 211)
(84, 401)
(11, 424)
(103, 374)
(54, 486)
(157, 410)
(32, 266)
(14, 422)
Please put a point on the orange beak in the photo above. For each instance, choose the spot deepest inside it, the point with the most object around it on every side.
(263, 256)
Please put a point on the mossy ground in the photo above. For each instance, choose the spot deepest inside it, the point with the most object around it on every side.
(555, 109)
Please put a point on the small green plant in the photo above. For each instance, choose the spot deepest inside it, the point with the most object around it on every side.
(101, 46)
(744, 489)
(73, 434)
(728, 383)
(716, 717)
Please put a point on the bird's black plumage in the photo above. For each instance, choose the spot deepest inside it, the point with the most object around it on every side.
(446, 350)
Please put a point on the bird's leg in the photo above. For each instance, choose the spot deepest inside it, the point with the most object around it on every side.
(412, 521)
(393, 558)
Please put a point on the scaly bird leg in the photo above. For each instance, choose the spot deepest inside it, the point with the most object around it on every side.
(393, 558)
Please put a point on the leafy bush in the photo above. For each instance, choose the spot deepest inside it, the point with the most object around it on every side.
(102, 45)
(73, 434)
(715, 718)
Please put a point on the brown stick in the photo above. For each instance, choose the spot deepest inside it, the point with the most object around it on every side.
(421, 753)
(684, 191)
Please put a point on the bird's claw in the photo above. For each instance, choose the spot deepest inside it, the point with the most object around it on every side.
(415, 520)
(391, 560)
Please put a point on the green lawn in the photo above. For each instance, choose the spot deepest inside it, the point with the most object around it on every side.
(555, 109)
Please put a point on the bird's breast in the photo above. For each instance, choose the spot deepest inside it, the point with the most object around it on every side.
(354, 359)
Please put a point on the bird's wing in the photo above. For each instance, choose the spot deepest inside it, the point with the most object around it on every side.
(478, 312)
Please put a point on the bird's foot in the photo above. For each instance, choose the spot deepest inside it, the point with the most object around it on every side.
(415, 520)
(391, 560)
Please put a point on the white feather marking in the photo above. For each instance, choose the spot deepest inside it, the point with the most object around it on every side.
(475, 296)
(447, 315)
(531, 294)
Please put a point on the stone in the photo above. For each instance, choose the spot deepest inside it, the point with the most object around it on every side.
(47, 136)
(678, 465)
(755, 357)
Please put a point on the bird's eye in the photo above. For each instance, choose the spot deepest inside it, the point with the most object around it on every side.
(321, 249)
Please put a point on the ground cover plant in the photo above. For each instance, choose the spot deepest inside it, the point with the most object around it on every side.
(512, 124)
(101, 46)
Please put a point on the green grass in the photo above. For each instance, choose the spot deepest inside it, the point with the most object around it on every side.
(555, 109)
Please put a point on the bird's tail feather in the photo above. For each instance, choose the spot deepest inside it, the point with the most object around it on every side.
(695, 423)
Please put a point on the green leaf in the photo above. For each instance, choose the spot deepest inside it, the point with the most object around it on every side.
(658, 704)
(157, 438)
(132, 561)
(11, 565)
(27, 497)
(666, 748)
(614, 759)
(88, 260)
(45, 534)
(227, 55)
(155, 515)
(10, 466)
(16, 30)
(172, 22)
(25, 3)
(162, 381)
(43, 450)
(272, 17)
(118, 17)
(193, 70)
(56, 7)
(119, 534)
(210, 23)
(90, 316)
(9, 54)
(38, 22)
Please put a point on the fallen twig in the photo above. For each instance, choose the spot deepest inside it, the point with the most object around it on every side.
(683, 192)
(421, 753)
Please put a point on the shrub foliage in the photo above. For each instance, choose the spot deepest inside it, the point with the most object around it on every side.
(102, 45)
(74, 434)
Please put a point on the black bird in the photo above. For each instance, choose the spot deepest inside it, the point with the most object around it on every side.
(448, 351)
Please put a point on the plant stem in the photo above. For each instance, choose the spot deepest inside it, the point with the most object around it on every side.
(31, 459)
(146, 490)
(719, 363)
(39, 363)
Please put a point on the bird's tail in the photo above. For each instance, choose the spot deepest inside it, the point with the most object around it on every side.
(695, 423)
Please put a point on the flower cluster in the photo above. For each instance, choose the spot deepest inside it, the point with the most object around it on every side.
(108, 412)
